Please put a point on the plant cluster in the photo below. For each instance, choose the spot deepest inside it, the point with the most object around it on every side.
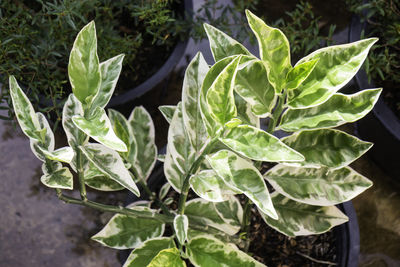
(383, 63)
(35, 38)
(215, 147)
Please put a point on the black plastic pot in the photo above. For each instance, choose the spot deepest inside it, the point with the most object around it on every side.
(381, 126)
(347, 235)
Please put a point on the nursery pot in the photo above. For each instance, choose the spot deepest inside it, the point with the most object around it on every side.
(347, 235)
(381, 126)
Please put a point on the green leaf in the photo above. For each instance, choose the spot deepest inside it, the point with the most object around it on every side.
(322, 187)
(110, 71)
(123, 131)
(211, 125)
(274, 50)
(181, 225)
(142, 256)
(202, 212)
(327, 147)
(222, 45)
(100, 129)
(173, 172)
(169, 257)
(123, 232)
(24, 111)
(209, 186)
(192, 82)
(244, 112)
(64, 154)
(230, 211)
(56, 176)
(241, 175)
(259, 145)
(167, 111)
(75, 136)
(142, 128)
(337, 110)
(83, 67)
(207, 251)
(299, 73)
(335, 68)
(37, 147)
(95, 179)
(220, 98)
(110, 164)
(252, 84)
(164, 191)
(297, 219)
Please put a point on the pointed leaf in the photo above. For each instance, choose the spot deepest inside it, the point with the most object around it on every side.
(123, 131)
(327, 147)
(220, 98)
(337, 110)
(181, 225)
(202, 212)
(244, 112)
(240, 174)
(24, 111)
(274, 50)
(100, 129)
(209, 186)
(194, 76)
(335, 68)
(143, 131)
(208, 251)
(298, 74)
(110, 163)
(322, 187)
(95, 179)
(230, 211)
(222, 45)
(110, 71)
(142, 256)
(173, 173)
(252, 84)
(297, 219)
(259, 145)
(64, 154)
(37, 147)
(83, 67)
(75, 136)
(211, 125)
(56, 176)
(169, 257)
(123, 232)
(167, 111)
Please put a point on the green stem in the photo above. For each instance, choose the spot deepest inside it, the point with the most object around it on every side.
(193, 168)
(81, 178)
(277, 112)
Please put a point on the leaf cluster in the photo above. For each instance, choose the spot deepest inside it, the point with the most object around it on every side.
(216, 147)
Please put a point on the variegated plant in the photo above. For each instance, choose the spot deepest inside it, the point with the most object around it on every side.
(216, 147)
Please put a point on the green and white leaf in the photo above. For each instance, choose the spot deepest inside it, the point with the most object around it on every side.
(253, 86)
(322, 187)
(181, 225)
(192, 82)
(326, 147)
(167, 111)
(26, 116)
(110, 71)
(142, 128)
(207, 251)
(230, 211)
(64, 154)
(241, 175)
(257, 144)
(37, 147)
(336, 66)
(95, 179)
(209, 186)
(123, 131)
(110, 164)
(204, 213)
(169, 257)
(222, 45)
(123, 232)
(337, 110)
(100, 129)
(56, 176)
(297, 219)
(142, 256)
(244, 112)
(164, 191)
(274, 50)
(299, 73)
(173, 173)
(83, 67)
(220, 99)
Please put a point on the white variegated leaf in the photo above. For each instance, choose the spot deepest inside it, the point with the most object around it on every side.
(56, 176)
(167, 111)
(64, 154)
(230, 211)
(95, 179)
(169, 257)
(37, 147)
(181, 225)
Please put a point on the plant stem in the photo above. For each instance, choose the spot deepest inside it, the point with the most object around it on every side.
(81, 178)
(193, 168)
(277, 112)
